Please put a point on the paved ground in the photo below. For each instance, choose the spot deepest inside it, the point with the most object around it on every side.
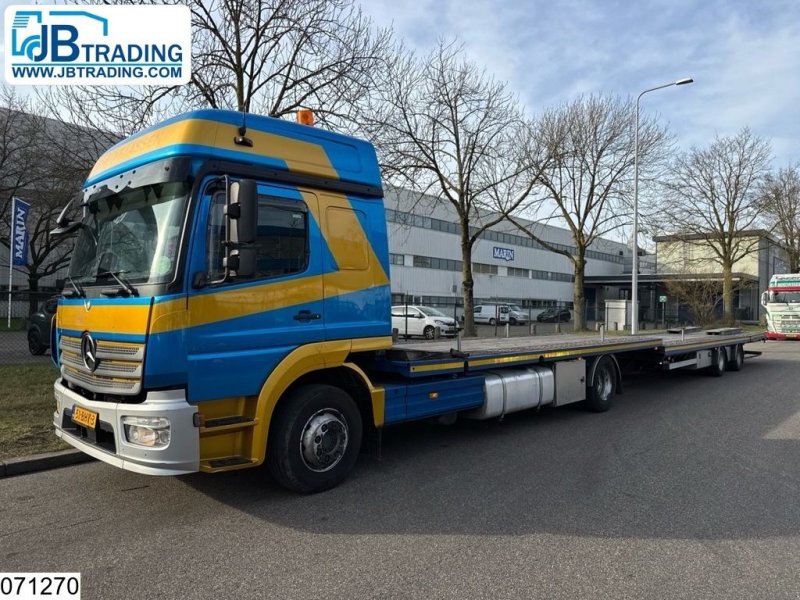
(688, 488)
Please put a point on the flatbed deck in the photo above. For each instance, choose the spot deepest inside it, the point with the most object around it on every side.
(419, 359)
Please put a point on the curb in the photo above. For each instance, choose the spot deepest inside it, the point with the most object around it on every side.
(42, 462)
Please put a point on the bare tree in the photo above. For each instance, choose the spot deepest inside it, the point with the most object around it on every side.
(584, 175)
(445, 129)
(712, 203)
(780, 201)
(701, 294)
(266, 56)
(37, 163)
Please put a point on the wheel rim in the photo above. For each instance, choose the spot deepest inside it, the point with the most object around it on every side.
(428, 332)
(603, 384)
(324, 440)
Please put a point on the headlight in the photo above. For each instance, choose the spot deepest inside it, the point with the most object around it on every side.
(153, 432)
(439, 322)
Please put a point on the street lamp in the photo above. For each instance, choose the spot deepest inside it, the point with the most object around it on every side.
(635, 269)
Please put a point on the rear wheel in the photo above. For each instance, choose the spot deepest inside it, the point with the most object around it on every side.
(35, 345)
(492, 322)
(737, 362)
(315, 439)
(600, 389)
(719, 361)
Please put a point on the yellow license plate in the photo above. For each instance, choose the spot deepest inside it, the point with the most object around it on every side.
(84, 417)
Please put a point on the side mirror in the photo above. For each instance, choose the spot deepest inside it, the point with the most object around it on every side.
(764, 298)
(63, 224)
(242, 214)
(243, 211)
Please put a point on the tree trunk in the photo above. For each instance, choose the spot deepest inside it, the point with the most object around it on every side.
(468, 291)
(578, 299)
(794, 260)
(727, 294)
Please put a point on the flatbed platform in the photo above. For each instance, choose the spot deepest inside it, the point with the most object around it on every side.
(441, 357)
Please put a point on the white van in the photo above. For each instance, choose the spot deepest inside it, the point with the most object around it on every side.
(499, 313)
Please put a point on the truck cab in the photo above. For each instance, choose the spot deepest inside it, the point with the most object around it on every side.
(781, 302)
(214, 264)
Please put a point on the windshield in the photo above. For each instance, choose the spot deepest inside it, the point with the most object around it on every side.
(135, 233)
(431, 312)
(515, 308)
(793, 297)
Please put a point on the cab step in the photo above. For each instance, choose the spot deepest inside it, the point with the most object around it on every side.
(225, 424)
(226, 463)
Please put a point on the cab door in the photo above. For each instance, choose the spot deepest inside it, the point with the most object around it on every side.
(239, 330)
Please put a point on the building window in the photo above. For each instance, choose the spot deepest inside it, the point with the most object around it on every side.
(484, 268)
(515, 272)
(396, 259)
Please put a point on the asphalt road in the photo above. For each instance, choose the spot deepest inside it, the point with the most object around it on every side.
(688, 488)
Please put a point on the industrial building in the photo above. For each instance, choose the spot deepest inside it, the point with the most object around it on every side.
(425, 252)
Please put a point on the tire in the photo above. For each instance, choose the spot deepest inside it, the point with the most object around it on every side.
(429, 332)
(35, 345)
(492, 322)
(314, 439)
(512, 321)
(601, 388)
(738, 359)
(719, 361)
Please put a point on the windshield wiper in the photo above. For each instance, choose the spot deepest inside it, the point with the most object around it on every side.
(120, 279)
(77, 290)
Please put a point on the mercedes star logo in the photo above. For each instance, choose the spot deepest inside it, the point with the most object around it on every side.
(89, 351)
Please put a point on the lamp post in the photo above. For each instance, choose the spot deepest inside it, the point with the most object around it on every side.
(635, 267)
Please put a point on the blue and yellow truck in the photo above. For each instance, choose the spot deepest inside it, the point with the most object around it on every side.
(228, 304)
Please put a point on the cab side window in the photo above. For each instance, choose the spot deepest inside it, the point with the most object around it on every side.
(281, 237)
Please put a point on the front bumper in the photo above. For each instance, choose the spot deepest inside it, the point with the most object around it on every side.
(771, 335)
(108, 443)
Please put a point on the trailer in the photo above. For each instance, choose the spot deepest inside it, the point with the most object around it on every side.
(229, 304)
(530, 372)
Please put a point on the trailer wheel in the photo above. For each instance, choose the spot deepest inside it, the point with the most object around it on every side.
(315, 439)
(737, 362)
(600, 389)
(719, 361)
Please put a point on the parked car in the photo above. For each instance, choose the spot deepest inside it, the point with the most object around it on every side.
(516, 316)
(39, 327)
(554, 315)
(500, 313)
(422, 320)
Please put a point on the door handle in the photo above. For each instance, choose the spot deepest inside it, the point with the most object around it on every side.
(307, 315)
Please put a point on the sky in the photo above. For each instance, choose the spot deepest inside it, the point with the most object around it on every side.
(743, 55)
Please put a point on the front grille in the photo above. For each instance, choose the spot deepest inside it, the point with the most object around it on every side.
(119, 368)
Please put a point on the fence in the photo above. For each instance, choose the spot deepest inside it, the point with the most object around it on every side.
(24, 338)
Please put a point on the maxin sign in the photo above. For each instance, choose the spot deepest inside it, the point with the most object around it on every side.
(97, 45)
(506, 254)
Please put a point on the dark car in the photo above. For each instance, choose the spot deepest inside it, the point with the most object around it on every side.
(554, 315)
(39, 328)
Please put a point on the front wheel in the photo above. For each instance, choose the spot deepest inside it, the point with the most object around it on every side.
(602, 385)
(429, 332)
(315, 438)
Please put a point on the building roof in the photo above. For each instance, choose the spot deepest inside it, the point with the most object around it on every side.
(686, 237)
(664, 277)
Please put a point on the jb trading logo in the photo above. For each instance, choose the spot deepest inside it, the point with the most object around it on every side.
(97, 45)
